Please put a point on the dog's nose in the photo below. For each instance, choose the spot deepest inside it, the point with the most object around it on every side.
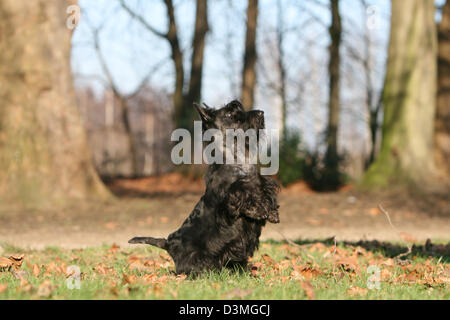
(258, 113)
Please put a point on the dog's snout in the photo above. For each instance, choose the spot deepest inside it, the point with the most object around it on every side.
(257, 113)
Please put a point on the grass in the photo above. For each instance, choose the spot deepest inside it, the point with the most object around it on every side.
(281, 271)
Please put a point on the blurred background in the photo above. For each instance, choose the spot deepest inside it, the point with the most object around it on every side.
(90, 92)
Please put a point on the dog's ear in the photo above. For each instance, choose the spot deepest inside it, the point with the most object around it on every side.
(255, 200)
(236, 104)
(206, 113)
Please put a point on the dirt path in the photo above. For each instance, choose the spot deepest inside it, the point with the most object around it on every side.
(348, 215)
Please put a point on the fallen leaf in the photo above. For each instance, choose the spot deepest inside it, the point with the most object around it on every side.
(309, 289)
(164, 219)
(348, 264)
(14, 261)
(237, 293)
(308, 272)
(5, 264)
(385, 275)
(36, 270)
(111, 225)
(114, 248)
(314, 221)
(374, 212)
(407, 237)
(165, 257)
(319, 247)
(45, 289)
(130, 279)
(3, 287)
(389, 262)
(173, 293)
(255, 268)
(268, 259)
(353, 291)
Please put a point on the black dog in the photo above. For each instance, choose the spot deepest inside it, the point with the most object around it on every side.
(225, 225)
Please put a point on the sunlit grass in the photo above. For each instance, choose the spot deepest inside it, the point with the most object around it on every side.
(108, 273)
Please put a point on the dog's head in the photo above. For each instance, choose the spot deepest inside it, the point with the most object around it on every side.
(231, 116)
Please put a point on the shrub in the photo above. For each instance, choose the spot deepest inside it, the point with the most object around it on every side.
(291, 160)
(324, 172)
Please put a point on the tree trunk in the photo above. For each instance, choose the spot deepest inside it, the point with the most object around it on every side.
(177, 58)
(250, 56)
(409, 97)
(126, 122)
(43, 151)
(442, 120)
(198, 48)
(184, 113)
(282, 70)
(334, 66)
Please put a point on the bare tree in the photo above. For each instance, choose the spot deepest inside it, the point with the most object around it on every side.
(334, 73)
(183, 111)
(409, 97)
(44, 156)
(250, 56)
(442, 120)
(121, 98)
(373, 103)
(282, 68)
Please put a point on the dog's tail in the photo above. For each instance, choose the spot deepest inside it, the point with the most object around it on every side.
(157, 242)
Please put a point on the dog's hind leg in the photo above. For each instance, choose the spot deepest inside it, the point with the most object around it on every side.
(157, 242)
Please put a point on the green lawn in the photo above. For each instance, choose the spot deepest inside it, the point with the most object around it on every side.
(280, 271)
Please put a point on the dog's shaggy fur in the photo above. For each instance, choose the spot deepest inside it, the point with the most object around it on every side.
(224, 228)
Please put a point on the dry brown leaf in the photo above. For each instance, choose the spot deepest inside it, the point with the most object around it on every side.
(165, 257)
(442, 280)
(307, 271)
(173, 293)
(359, 251)
(150, 278)
(314, 221)
(309, 289)
(385, 275)
(374, 212)
(268, 259)
(114, 248)
(389, 262)
(45, 289)
(104, 270)
(130, 279)
(5, 264)
(3, 287)
(111, 225)
(156, 290)
(14, 261)
(237, 293)
(36, 270)
(353, 291)
(407, 237)
(254, 271)
(348, 264)
(164, 219)
(319, 247)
